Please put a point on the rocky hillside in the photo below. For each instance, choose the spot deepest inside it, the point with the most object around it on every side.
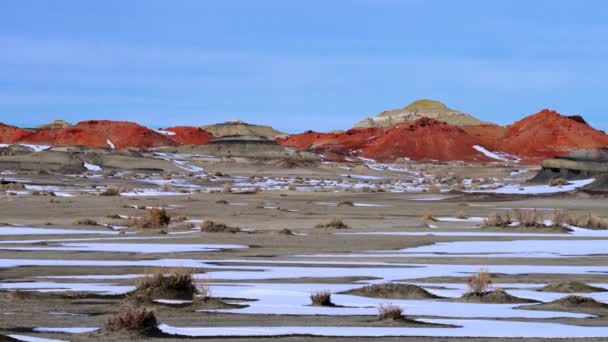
(417, 110)
(188, 135)
(101, 133)
(10, 134)
(537, 137)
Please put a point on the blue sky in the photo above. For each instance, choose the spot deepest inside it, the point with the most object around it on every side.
(298, 65)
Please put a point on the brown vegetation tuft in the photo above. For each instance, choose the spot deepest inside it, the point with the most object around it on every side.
(132, 318)
(321, 298)
(335, 222)
(480, 282)
(390, 311)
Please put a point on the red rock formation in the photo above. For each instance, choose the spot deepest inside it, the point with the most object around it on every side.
(11, 134)
(489, 136)
(548, 134)
(189, 135)
(96, 133)
(425, 139)
(341, 143)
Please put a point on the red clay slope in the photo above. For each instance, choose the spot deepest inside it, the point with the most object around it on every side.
(189, 135)
(425, 139)
(340, 143)
(97, 134)
(421, 139)
(548, 134)
(11, 134)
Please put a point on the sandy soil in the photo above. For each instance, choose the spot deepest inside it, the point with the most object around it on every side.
(297, 211)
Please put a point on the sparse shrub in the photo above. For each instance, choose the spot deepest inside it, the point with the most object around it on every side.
(558, 182)
(321, 298)
(390, 311)
(132, 318)
(529, 218)
(111, 191)
(435, 188)
(591, 220)
(346, 203)
(480, 282)
(222, 201)
(286, 231)
(87, 222)
(211, 226)
(227, 188)
(499, 220)
(292, 187)
(178, 283)
(335, 222)
(218, 174)
(154, 218)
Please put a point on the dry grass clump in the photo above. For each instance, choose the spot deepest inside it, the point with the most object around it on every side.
(155, 218)
(86, 222)
(390, 311)
(211, 226)
(536, 219)
(480, 282)
(178, 283)
(321, 298)
(434, 188)
(529, 218)
(591, 220)
(346, 203)
(11, 186)
(111, 191)
(133, 319)
(292, 187)
(335, 222)
(227, 189)
(558, 182)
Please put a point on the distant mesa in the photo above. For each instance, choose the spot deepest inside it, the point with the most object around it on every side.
(57, 124)
(419, 109)
(240, 128)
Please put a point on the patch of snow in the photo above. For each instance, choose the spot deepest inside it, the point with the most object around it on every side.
(67, 330)
(25, 338)
(496, 155)
(536, 189)
(163, 132)
(110, 144)
(128, 247)
(91, 167)
(49, 231)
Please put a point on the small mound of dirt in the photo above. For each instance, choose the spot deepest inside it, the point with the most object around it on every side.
(346, 204)
(579, 301)
(493, 297)
(571, 287)
(569, 303)
(213, 303)
(286, 231)
(393, 291)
